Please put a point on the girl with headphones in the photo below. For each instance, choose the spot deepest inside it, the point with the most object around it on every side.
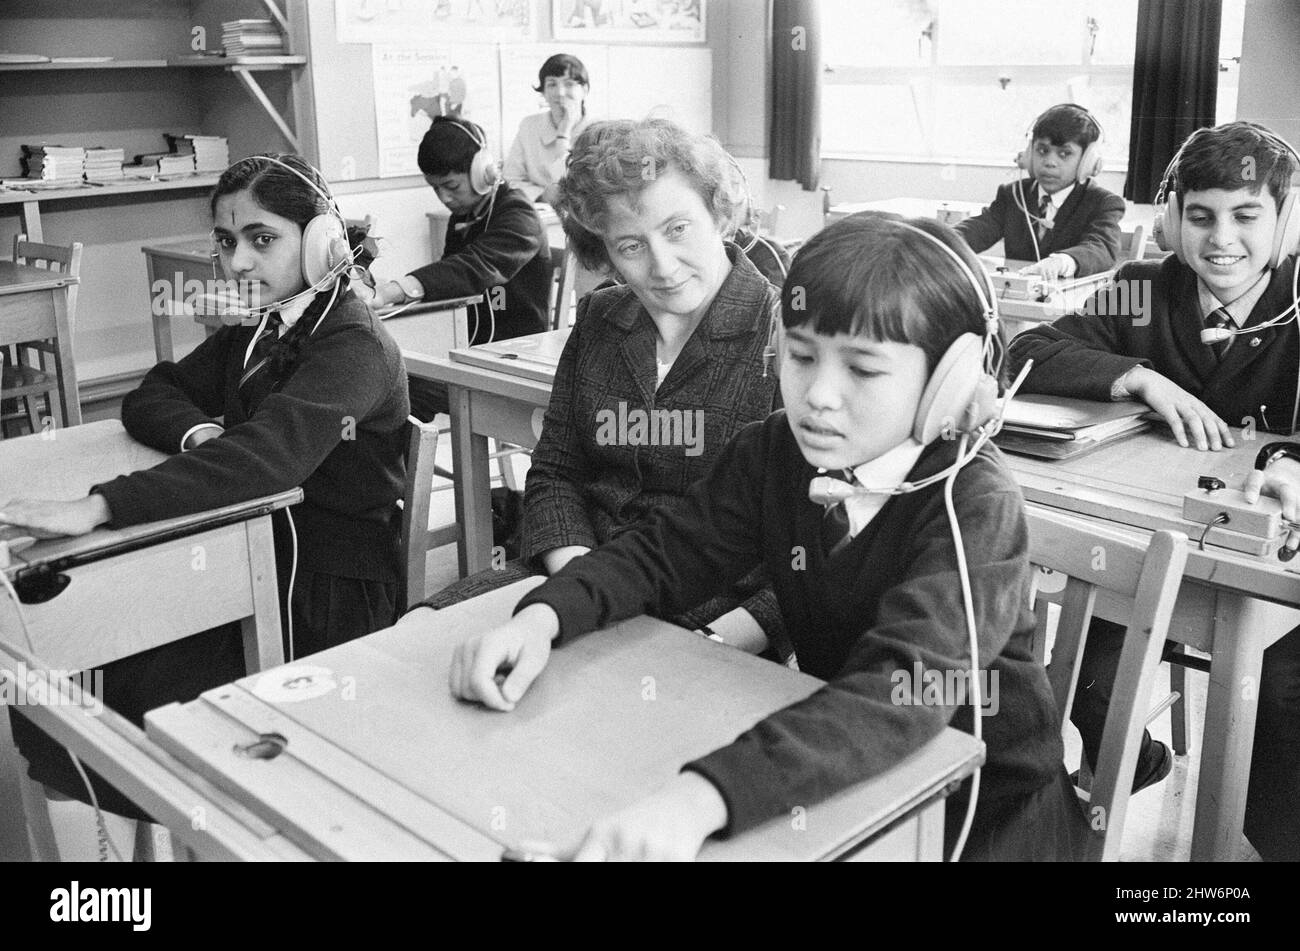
(307, 390)
(896, 542)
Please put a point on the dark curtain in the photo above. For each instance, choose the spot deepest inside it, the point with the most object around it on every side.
(1175, 85)
(794, 123)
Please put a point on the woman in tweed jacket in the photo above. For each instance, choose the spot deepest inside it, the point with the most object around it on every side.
(658, 372)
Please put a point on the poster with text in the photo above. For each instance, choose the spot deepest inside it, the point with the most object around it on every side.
(630, 21)
(414, 84)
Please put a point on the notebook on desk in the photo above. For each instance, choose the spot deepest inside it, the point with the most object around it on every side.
(1059, 427)
(535, 356)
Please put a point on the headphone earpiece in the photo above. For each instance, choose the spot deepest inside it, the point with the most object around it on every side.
(951, 401)
(324, 248)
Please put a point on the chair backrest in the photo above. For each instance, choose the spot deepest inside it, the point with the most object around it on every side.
(1133, 244)
(1093, 558)
(421, 444)
(54, 257)
(566, 281)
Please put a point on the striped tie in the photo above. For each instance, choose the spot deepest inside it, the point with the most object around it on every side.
(1219, 320)
(835, 520)
(1042, 226)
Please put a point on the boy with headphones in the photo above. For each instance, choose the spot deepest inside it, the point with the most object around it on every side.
(888, 366)
(1057, 216)
(1205, 337)
(496, 246)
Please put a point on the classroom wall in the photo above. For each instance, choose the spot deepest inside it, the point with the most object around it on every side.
(1270, 66)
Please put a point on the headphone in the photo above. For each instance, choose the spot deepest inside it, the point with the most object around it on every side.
(326, 253)
(961, 395)
(484, 173)
(1090, 163)
(1168, 226)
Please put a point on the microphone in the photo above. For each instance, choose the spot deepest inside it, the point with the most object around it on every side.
(1217, 334)
(829, 491)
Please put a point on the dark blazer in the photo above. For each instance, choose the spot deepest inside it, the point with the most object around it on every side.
(506, 249)
(1150, 315)
(583, 489)
(1086, 227)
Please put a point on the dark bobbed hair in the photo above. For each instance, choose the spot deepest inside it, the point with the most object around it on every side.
(868, 275)
(561, 65)
(618, 159)
(1231, 156)
(448, 150)
(1067, 123)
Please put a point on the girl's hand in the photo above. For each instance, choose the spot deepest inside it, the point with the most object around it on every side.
(496, 668)
(46, 519)
(669, 826)
(1186, 415)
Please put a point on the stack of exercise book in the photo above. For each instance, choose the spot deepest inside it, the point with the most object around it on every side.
(104, 165)
(211, 152)
(1057, 427)
(251, 38)
(54, 163)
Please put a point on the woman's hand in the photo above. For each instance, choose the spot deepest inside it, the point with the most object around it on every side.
(46, 519)
(557, 558)
(496, 667)
(550, 194)
(1185, 414)
(570, 114)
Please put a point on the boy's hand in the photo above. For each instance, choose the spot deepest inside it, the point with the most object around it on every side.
(389, 292)
(496, 668)
(1186, 415)
(1281, 480)
(56, 519)
(1054, 267)
(669, 826)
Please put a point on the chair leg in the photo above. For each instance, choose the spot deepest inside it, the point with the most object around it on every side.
(40, 832)
(1180, 712)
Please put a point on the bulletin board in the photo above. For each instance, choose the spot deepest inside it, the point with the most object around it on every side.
(626, 81)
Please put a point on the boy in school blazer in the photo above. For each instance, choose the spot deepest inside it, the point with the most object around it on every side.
(1058, 215)
(1140, 338)
(495, 246)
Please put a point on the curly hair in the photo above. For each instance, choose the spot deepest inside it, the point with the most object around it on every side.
(618, 159)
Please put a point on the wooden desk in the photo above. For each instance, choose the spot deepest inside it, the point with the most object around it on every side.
(135, 588)
(33, 303)
(384, 764)
(432, 328)
(484, 403)
(1232, 605)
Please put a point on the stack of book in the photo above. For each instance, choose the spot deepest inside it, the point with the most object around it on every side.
(211, 152)
(104, 165)
(1057, 427)
(54, 163)
(162, 163)
(251, 38)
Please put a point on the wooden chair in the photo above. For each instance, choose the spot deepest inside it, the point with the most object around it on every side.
(1132, 244)
(566, 283)
(39, 360)
(417, 537)
(1094, 558)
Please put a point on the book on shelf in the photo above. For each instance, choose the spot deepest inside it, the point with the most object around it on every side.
(251, 38)
(211, 152)
(1058, 427)
(104, 164)
(54, 163)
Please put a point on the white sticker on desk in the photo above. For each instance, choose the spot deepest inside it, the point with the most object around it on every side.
(290, 684)
(538, 415)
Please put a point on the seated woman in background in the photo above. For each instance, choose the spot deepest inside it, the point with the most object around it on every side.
(659, 371)
(541, 147)
(309, 390)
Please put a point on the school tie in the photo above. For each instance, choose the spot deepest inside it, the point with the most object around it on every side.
(1217, 320)
(1041, 225)
(253, 385)
(835, 520)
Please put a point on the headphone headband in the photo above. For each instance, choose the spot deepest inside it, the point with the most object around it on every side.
(1090, 162)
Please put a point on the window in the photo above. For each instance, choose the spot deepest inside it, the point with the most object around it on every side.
(962, 80)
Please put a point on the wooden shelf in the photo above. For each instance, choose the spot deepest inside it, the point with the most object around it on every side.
(247, 62)
(111, 64)
(8, 197)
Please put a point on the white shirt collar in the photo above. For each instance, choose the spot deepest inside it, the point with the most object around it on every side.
(1058, 199)
(292, 312)
(1239, 309)
(885, 471)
